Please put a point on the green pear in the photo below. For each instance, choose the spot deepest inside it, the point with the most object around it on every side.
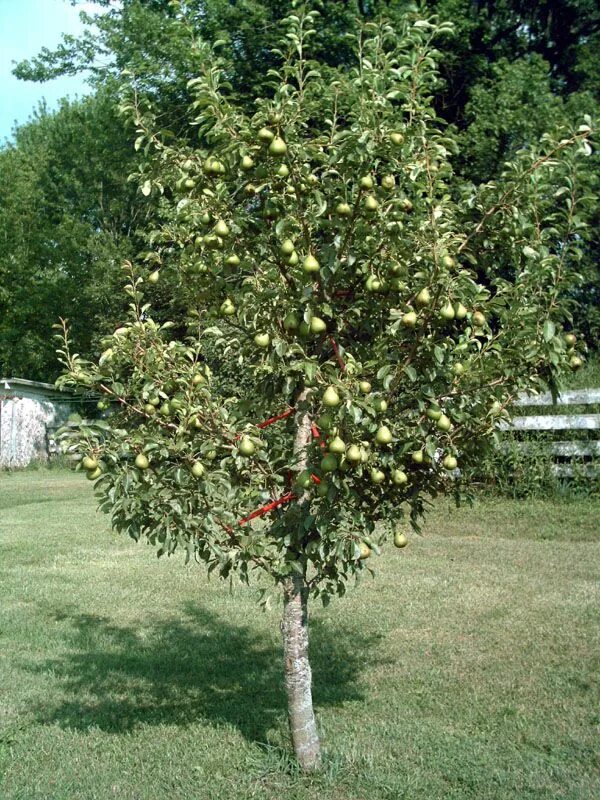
(383, 435)
(354, 454)
(331, 398)
(399, 477)
(246, 446)
(310, 264)
(337, 446)
(449, 463)
(377, 476)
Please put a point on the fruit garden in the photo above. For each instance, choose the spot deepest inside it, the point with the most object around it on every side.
(350, 321)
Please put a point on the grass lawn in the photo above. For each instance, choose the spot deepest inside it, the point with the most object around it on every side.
(468, 669)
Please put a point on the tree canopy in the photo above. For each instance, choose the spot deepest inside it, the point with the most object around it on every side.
(510, 72)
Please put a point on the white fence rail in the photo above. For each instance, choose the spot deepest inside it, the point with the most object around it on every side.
(585, 451)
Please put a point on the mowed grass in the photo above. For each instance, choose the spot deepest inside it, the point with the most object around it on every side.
(467, 669)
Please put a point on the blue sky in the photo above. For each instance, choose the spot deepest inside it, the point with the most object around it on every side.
(25, 27)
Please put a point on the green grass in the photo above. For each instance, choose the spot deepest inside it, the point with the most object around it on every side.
(467, 669)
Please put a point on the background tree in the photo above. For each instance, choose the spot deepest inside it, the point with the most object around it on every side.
(386, 310)
(67, 219)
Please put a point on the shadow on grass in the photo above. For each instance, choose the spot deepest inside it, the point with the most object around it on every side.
(197, 667)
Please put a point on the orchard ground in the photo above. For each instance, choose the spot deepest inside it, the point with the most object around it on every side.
(467, 669)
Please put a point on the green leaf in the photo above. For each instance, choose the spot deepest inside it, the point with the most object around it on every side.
(549, 330)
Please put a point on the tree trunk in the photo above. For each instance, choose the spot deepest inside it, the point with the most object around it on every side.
(294, 627)
(298, 675)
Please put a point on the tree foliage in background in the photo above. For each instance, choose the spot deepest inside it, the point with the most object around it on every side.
(512, 71)
(386, 309)
(68, 216)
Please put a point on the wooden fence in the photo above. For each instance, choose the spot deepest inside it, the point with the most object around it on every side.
(585, 450)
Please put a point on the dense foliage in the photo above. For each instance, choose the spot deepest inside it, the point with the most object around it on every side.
(510, 72)
(67, 219)
(323, 246)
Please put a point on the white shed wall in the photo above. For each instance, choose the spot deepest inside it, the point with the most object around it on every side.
(24, 429)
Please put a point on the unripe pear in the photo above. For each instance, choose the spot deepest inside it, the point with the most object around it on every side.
(460, 311)
(448, 262)
(222, 229)
(325, 422)
(262, 340)
(570, 339)
(418, 456)
(310, 264)
(396, 138)
(449, 463)
(287, 247)
(371, 204)
(343, 209)
(354, 454)
(329, 463)
(331, 398)
(458, 369)
(366, 182)
(388, 182)
(293, 259)
(380, 405)
(154, 277)
(317, 325)
(247, 163)
(383, 435)
(291, 321)
(365, 551)
(373, 284)
(246, 446)
(447, 311)
(232, 261)
(377, 476)
(265, 135)
(365, 387)
(197, 470)
(478, 319)
(400, 539)
(93, 474)
(423, 298)
(575, 362)
(409, 320)
(304, 480)
(283, 171)
(278, 147)
(399, 477)
(337, 446)
(141, 461)
(444, 423)
(227, 308)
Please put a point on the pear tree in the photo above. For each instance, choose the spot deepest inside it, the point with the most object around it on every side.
(350, 321)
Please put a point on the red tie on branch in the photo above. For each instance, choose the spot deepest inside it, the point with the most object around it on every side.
(286, 498)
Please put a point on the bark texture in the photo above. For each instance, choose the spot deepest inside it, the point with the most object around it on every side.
(294, 629)
(298, 674)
